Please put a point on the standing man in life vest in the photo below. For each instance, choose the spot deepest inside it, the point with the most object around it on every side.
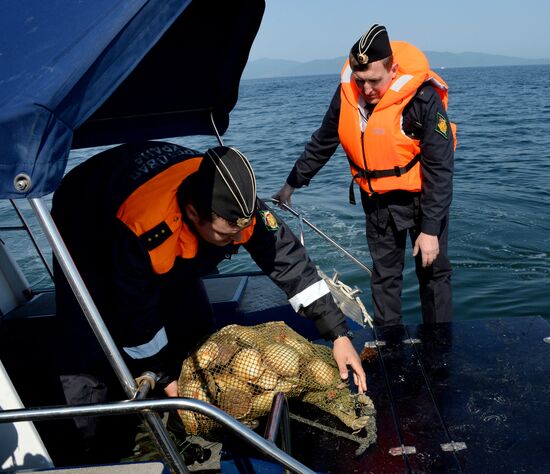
(144, 222)
(389, 115)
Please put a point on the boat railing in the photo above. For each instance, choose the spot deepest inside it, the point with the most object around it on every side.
(152, 420)
(302, 220)
(265, 446)
(278, 423)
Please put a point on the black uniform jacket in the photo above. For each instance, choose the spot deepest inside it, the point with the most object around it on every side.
(419, 121)
(135, 302)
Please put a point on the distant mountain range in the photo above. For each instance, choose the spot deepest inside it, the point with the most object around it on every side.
(261, 68)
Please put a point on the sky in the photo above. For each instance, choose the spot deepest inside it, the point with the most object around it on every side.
(304, 30)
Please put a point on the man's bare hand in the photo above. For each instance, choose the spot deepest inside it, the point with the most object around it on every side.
(345, 354)
(283, 195)
(172, 389)
(428, 246)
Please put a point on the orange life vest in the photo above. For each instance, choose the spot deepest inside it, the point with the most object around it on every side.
(383, 158)
(152, 213)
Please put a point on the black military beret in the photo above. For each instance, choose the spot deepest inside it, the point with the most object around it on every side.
(374, 45)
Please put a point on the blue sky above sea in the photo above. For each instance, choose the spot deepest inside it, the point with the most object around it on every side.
(319, 29)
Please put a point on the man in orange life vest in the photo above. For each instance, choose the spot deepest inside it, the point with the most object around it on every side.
(143, 223)
(389, 115)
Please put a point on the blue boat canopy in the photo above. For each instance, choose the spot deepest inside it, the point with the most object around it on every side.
(86, 73)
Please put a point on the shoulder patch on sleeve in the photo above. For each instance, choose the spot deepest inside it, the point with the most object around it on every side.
(270, 221)
(442, 126)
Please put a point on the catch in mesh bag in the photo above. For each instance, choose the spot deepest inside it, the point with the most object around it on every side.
(240, 369)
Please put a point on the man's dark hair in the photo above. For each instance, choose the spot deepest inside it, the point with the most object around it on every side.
(189, 192)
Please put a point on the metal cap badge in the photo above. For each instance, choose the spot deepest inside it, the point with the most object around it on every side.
(373, 46)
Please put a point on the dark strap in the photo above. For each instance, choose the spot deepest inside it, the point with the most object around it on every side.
(374, 174)
(351, 192)
(395, 171)
(154, 237)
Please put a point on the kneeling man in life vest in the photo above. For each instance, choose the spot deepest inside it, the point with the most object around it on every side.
(144, 222)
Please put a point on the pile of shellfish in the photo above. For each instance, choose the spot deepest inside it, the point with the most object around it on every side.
(240, 369)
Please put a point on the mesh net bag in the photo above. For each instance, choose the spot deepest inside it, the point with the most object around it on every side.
(240, 369)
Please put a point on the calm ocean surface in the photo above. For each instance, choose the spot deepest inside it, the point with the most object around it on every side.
(500, 216)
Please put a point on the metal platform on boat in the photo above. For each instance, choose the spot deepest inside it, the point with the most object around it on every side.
(467, 396)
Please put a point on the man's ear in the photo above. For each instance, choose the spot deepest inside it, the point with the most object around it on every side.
(192, 213)
(394, 69)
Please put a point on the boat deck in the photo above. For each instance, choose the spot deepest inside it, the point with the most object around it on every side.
(467, 396)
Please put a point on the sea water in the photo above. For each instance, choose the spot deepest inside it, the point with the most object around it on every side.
(499, 241)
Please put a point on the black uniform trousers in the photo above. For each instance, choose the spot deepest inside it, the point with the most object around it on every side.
(389, 220)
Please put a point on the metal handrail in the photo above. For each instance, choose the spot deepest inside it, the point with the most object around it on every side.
(278, 423)
(318, 231)
(83, 296)
(134, 406)
(152, 420)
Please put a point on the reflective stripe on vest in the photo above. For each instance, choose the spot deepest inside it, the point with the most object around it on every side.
(152, 213)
